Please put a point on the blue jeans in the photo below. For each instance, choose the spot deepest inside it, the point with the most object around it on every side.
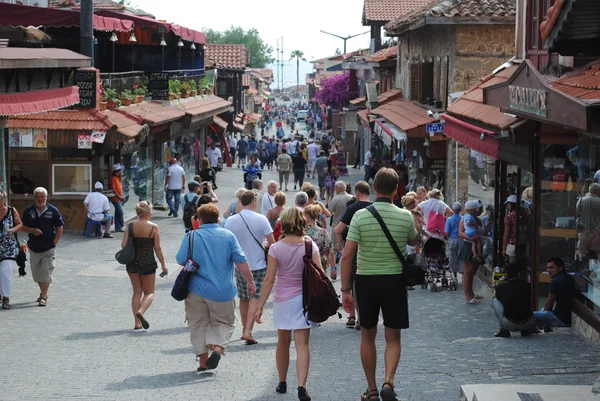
(119, 221)
(177, 194)
(548, 319)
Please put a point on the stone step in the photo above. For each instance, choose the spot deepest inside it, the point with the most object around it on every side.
(511, 392)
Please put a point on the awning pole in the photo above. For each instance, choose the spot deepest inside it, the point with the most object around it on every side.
(456, 169)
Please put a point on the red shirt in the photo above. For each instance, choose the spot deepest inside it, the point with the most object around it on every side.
(510, 221)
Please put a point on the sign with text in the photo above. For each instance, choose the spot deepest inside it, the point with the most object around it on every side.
(435, 128)
(86, 82)
(528, 100)
(158, 85)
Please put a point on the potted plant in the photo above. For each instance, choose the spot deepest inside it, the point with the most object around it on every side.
(140, 93)
(193, 88)
(126, 97)
(174, 89)
(205, 86)
(185, 90)
(111, 98)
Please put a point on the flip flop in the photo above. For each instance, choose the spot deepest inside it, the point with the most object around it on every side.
(251, 342)
(213, 360)
(473, 301)
(478, 297)
(144, 322)
(200, 369)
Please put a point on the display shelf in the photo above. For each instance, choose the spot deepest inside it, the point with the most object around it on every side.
(558, 232)
(570, 186)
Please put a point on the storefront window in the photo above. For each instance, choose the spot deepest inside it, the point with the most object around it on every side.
(28, 169)
(136, 178)
(71, 179)
(570, 214)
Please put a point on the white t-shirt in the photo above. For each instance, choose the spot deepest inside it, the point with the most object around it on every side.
(176, 173)
(367, 158)
(430, 205)
(232, 142)
(313, 151)
(260, 228)
(267, 203)
(213, 156)
(97, 204)
(291, 147)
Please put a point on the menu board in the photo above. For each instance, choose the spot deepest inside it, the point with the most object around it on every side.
(158, 85)
(86, 82)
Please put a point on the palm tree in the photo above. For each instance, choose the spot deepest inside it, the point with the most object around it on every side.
(299, 55)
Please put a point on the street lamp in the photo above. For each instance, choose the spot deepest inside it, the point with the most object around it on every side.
(193, 47)
(345, 38)
(180, 45)
(113, 39)
(132, 39)
(163, 43)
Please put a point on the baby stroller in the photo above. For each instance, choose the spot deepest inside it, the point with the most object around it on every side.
(434, 251)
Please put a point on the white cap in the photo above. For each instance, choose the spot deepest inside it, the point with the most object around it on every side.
(472, 204)
(98, 185)
(511, 199)
(17, 168)
(525, 204)
(117, 167)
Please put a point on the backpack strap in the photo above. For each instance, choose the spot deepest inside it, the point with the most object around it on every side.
(371, 208)
(307, 247)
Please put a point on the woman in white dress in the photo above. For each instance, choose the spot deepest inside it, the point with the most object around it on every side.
(286, 265)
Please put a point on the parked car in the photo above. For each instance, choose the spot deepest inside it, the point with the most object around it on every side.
(301, 115)
(286, 98)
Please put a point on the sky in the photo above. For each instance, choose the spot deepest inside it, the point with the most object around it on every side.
(298, 23)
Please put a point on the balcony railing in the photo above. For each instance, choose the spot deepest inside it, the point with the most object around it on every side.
(130, 79)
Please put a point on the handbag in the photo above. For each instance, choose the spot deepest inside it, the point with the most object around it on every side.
(436, 223)
(127, 255)
(265, 250)
(21, 255)
(413, 266)
(182, 282)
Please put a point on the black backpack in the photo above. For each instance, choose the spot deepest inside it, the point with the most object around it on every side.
(319, 299)
(189, 211)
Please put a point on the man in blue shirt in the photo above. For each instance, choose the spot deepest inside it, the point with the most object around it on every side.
(242, 148)
(453, 239)
(252, 146)
(44, 224)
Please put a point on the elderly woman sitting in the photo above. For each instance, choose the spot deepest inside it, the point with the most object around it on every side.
(210, 304)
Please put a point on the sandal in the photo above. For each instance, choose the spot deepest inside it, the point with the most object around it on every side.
(144, 322)
(5, 303)
(302, 394)
(388, 393)
(473, 301)
(351, 322)
(213, 360)
(369, 394)
(281, 388)
(43, 301)
(333, 274)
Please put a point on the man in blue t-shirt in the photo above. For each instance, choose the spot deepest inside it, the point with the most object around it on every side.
(272, 152)
(557, 309)
(44, 224)
(252, 146)
(242, 148)
(453, 239)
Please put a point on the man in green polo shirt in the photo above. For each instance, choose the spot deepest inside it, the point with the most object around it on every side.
(379, 283)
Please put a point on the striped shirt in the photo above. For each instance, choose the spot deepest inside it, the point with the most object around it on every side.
(375, 255)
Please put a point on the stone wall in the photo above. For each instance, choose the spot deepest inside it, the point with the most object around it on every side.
(72, 209)
(479, 50)
(451, 194)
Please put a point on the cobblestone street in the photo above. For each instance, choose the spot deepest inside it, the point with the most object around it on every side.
(82, 345)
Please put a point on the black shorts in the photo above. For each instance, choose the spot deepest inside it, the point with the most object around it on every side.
(385, 293)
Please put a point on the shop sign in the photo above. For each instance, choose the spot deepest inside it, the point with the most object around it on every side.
(86, 82)
(158, 85)
(528, 100)
(435, 128)
(40, 138)
(438, 164)
(21, 138)
(385, 137)
(98, 136)
(84, 141)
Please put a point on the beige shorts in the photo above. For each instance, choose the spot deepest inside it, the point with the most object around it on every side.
(42, 265)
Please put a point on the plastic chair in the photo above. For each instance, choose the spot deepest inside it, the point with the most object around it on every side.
(89, 224)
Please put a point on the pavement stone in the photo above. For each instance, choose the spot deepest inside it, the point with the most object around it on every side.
(82, 346)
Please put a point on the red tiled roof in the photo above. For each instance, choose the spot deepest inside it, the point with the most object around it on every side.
(503, 11)
(583, 85)
(470, 105)
(246, 80)
(358, 100)
(151, 113)
(227, 56)
(72, 120)
(124, 124)
(382, 98)
(389, 10)
(404, 114)
(252, 91)
(382, 55)
(264, 72)
(364, 115)
(211, 105)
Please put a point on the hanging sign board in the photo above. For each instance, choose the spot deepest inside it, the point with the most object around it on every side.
(528, 100)
(435, 128)
(158, 85)
(86, 82)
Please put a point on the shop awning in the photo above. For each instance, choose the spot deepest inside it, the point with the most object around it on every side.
(238, 127)
(392, 131)
(12, 104)
(13, 15)
(124, 125)
(204, 107)
(220, 122)
(254, 117)
(151, 113)
(404, 114)
(71, 120)
(470, 136)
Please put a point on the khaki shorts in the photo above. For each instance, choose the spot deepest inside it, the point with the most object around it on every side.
(42, 265)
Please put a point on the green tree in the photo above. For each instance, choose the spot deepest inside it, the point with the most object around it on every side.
(298, 55)
(260, 52)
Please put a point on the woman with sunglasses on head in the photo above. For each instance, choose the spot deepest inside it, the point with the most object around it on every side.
(142, 271)
(10, 223)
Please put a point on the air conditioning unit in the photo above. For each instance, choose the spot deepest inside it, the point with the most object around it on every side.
(372, 101)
